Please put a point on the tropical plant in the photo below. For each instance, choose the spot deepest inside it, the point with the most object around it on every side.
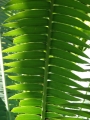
(6, 42)
(48, 37)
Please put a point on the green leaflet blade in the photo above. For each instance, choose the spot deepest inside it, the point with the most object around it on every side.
(27, 79)
(27, 22)
(28, 14)
(28, 71)
(67, 47)
(70, 21)
(24, 95)
(26, 63)
(64, 80)
(63, 72)
(85, 1)
(31, 102)
(61, 95)
(68, 38)
(60, 53)
(29, 5)
(27, 30)
(28, 117)
(74, 4)
(78, 112)
(26, 47)
(26, 87)
(69, 29)
(52, 108)
(62, 87)
(30, 38)
(71, 12)
(65, 64)
(56, 101)
(27, 55)
(27, 109)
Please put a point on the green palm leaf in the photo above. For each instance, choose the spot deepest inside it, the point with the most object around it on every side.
(45, 36)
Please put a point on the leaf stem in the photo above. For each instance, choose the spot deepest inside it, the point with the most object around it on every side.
(4, 82)
(47, 63)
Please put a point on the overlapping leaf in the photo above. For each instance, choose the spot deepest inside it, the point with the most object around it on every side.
(46, 35)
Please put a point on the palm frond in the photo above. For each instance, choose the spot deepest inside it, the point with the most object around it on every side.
(46, 35)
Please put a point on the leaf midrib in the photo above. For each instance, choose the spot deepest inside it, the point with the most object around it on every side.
(46, 63)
